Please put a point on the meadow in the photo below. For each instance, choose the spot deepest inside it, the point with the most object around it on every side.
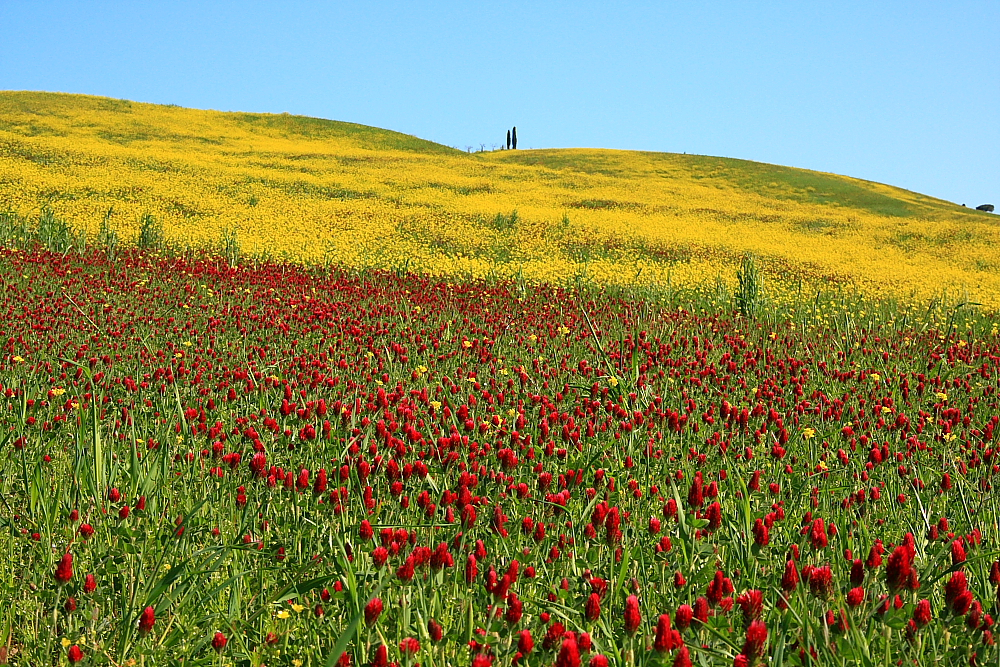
(312, 190)
(255, 464)
(213, 454)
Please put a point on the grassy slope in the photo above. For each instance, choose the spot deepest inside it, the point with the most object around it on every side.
(313, 188)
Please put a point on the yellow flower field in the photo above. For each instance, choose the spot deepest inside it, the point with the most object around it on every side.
(315, 190)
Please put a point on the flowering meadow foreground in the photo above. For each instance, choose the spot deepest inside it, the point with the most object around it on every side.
(206, 464)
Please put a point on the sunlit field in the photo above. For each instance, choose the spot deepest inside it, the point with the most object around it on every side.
(265, 464)
(285, 391)
(313, 190)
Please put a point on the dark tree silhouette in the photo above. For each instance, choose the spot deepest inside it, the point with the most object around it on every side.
(513, 138)
(508, 139)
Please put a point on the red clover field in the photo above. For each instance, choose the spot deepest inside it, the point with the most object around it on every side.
(269, 464)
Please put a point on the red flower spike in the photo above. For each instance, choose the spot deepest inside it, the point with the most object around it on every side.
(372, 611)
(922, 613)
(683, 658)
(146, 620)
(756, 640)
(666, 639)
(632, 616)
(684, 616)
(64, 570)
(569, 654)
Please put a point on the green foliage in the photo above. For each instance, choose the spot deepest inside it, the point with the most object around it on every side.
(750, 292)
(504, 223)
(231, 246)
(50, 231)
(57, 235)
(151, 236)
(107, 238)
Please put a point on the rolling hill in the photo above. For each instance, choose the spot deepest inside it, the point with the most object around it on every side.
(316, 190)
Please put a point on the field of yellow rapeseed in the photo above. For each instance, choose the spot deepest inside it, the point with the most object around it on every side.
(317, 190)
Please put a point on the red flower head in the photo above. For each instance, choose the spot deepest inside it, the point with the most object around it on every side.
(756, 639)
(696, 495)
(366, 532)
(569, 654)
(471, 569)
(435, 630)
(667, 639)
(945, 482)
(683, 616)
(319, 486)
(592, 607)
(598, 660)
(790, 579)
(683, 658)
(817, 534)
(409, 646)
(632, 616)
(74, 654)
(719, 587)
(372, 611)
(752, 604)
(381, 658)
(875, 555)
(515, 609)
(146, 620)
(553, 635)
(714, 516)
(962, 603)
(857, 572)
(957, 551)
(956, 585)
(760, 533)
(701, 609)
(525, 642)
(219, 642)
(821, 581)
(64, 570)
(922, 614)
(899, 570)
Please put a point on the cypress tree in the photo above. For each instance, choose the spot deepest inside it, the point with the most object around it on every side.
(513, 138)
(508, 139)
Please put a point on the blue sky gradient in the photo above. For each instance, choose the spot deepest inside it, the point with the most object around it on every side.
(905, 93)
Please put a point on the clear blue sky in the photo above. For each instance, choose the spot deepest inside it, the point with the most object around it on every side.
(906, 93)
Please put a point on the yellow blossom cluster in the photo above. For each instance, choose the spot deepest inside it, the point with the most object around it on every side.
(314, 190)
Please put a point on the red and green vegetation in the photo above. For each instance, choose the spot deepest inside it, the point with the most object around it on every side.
(268, 464)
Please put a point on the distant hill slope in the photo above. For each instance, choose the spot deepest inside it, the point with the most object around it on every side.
(316, 190)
